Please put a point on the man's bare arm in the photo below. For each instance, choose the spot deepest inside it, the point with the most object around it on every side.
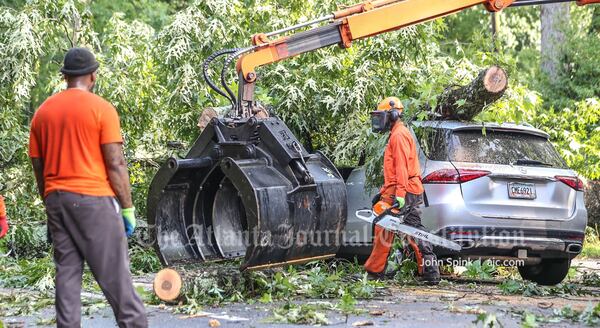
(38, 170)
(116, 166)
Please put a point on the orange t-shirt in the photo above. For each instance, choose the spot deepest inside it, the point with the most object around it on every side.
(2, 207)
(66, 133)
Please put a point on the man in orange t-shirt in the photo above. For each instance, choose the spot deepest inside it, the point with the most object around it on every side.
(76, 151)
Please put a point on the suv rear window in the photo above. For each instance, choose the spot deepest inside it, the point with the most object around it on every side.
(433, 141)
(496, 147)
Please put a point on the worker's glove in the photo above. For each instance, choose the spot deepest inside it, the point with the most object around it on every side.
(399, 202)
(3, 226)
(129, 220)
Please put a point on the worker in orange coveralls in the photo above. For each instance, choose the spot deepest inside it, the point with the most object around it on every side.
(402, 188)
(3, 221)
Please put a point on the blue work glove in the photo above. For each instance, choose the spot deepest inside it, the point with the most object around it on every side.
(129, 220)
(399, 203)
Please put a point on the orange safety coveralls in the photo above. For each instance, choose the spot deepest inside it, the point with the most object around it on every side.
(3, 223)
(402, 175)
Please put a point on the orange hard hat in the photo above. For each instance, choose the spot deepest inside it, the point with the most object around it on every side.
(390, 103)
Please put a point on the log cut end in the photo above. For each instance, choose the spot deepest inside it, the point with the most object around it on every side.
(167, 285)
(495, 80)
(463, 103)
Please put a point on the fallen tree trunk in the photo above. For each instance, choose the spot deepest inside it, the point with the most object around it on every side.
(465, 102)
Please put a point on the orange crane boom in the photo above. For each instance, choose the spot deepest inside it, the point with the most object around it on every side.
(356, 22)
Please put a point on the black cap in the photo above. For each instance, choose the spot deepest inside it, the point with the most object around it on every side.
(79, 61)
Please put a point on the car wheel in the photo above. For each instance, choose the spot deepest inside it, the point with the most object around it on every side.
(548, 272)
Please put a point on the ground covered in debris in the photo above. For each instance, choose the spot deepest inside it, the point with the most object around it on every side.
(330, 293)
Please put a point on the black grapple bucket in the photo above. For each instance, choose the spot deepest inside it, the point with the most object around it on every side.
(247, 188)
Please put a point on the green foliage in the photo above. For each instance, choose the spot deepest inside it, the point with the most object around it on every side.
(303, 314)
(407, 271)
(529, 320)
(143, 260)
(591, 245)
(152, 12)
(591, 236)
(318, 280)
(590, 316)
(590, 278)
(526, 288)
(576, 133)
(26, 240)
(22, 304)
(37, 274)
(487, 320)
(574, 82)
(226, 285)
(566, 108)
(151, 54)
(347, 304)
(479, 270)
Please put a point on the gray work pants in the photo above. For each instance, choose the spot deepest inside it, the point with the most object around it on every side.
(90, 229)
(412, 217)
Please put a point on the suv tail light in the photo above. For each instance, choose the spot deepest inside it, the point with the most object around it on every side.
(573, 182)
(446, 176)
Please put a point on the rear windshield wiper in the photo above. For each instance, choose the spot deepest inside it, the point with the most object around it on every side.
(532, 162)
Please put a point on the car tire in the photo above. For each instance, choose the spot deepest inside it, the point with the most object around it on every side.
(549, 272)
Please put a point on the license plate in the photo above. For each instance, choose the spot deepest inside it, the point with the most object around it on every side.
(521, 190)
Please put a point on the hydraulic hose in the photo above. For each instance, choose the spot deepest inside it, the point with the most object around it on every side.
(210, 83)
(227, 63)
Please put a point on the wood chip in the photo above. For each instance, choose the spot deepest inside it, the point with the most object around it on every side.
(545, 305)
(197, 315)
(362, 323)
(212, 323)
(377, 312)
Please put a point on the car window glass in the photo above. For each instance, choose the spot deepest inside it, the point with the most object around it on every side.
(433, 142)
(496, 147)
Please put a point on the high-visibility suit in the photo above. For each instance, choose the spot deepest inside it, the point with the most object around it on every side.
(3, 220)
(402, 178)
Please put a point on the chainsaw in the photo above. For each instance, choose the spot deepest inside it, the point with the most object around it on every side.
(395, 223)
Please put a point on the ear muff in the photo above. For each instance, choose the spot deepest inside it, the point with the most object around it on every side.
(394, 115)
(393, 112)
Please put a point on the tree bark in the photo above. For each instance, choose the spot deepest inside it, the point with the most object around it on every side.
(592, 202)
(465, 102)
(554, 19)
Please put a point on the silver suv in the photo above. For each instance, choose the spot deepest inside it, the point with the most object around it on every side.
(500, 190)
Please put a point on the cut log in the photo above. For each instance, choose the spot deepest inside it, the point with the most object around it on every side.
(178, 284)
(465, 102)
(167, 285)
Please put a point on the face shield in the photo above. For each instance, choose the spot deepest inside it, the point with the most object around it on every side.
(380, 121)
